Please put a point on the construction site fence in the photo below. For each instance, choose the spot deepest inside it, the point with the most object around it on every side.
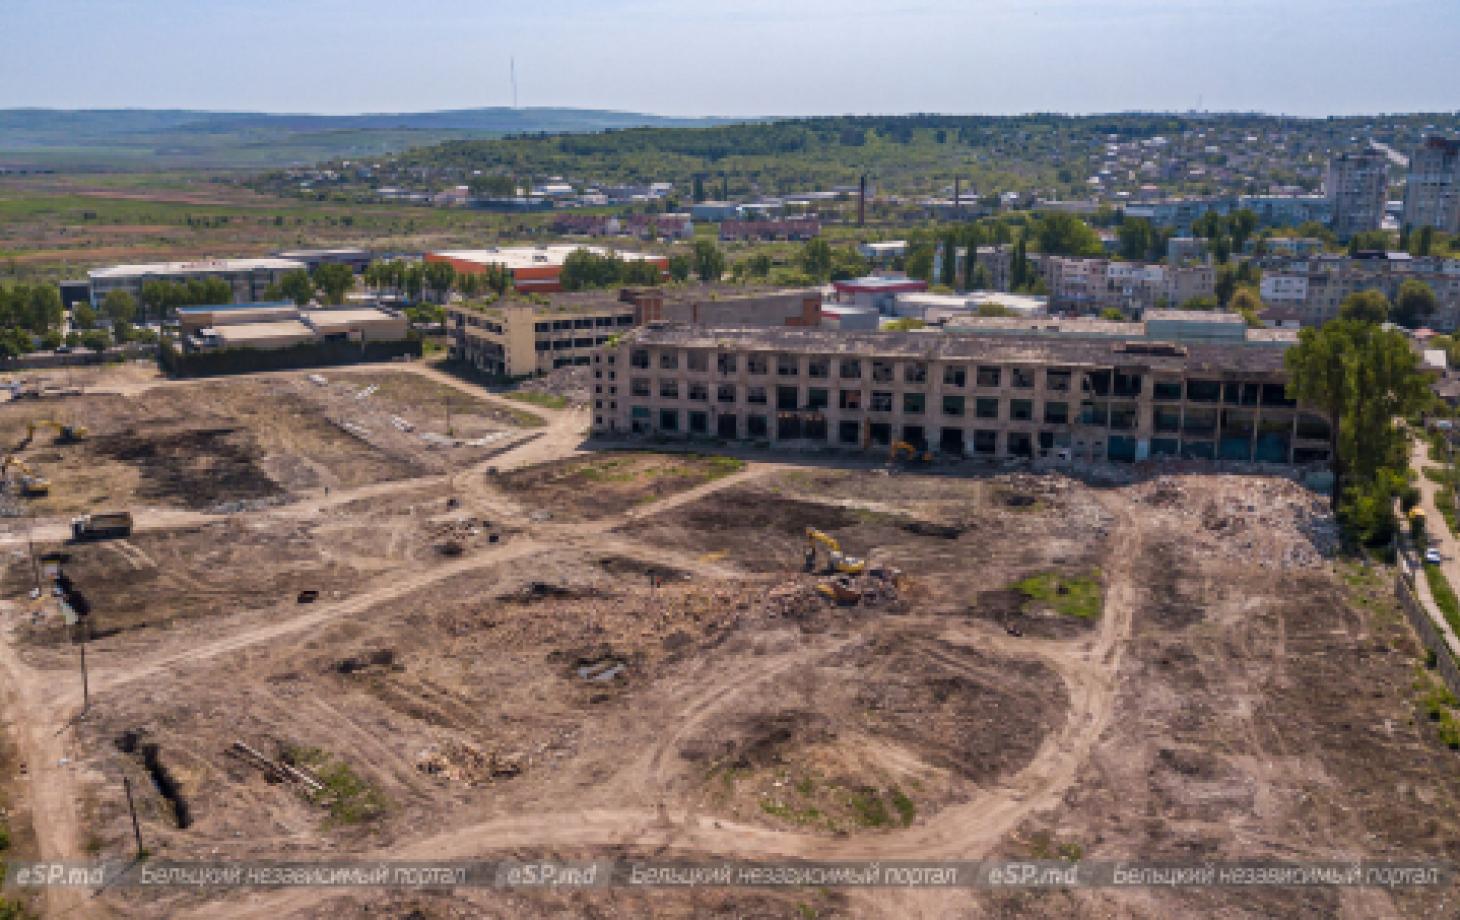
(1424, 624)
(39, 360)
(179, 363)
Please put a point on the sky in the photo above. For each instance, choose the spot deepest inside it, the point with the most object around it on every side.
(735, 57)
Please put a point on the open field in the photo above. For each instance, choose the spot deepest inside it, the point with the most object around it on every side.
(616, 654)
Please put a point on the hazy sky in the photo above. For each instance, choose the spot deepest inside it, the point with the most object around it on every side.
(734, 57)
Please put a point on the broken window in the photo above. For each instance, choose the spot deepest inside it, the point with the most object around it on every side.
(986, 408)
(850, 369)
(755, 364)
(669, 389)
(819, 368)
(1056, 413)
(850, 399)
(639, 358)
(988, 377)
(849, 432)
(953, 405)
(1021, 378)
(1057, 381)
(816, 398)
(786, 397)
(755, 395)
(881, 371)
(725, 393)
(697, 361)
(639, 386)
(1021, 410)
(955, 375)
(788, 366)
(669, 360)
(725, 364)
(881, 401)
(699, 392)
(914, 403)
(915, 372)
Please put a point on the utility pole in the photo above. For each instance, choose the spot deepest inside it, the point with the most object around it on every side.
(85, 684)
(132, 807)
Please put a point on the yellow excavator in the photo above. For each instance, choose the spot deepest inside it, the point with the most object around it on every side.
(837, 560)
(30, 485)
(902, 450)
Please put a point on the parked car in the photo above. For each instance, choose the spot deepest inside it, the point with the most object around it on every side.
(1433, 557)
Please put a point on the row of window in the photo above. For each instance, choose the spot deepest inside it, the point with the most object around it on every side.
(584, 322)
(565, 344)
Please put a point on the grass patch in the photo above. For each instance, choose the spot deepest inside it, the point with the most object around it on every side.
(1071, 595)
(906, 810)
(1436, 474)
(545, 400)
(349, 798)
(868, 808)
(808, 815)
(1444, 594)
(1439, 706)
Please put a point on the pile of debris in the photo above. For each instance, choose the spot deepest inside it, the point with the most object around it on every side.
(461, 762)
(802, 599)
(573, 383)
(450, 537)
(1249, 519)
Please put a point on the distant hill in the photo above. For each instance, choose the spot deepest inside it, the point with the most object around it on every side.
(180, 138)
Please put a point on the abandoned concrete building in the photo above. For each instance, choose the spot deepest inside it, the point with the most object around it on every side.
(1062, 398)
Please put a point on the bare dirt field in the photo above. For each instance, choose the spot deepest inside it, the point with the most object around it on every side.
(622, 655)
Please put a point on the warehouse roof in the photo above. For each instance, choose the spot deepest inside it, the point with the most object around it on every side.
(245, 332)
(203, 266)
(518, 257)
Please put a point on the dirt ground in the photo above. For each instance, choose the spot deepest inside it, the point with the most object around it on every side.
(621, 654)
(221, 443)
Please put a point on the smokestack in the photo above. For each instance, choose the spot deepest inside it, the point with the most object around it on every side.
(862, 201)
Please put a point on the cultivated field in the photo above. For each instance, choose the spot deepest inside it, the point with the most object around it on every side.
(519, 648)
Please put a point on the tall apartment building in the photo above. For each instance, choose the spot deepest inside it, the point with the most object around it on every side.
(1357, 182)
(1314, 289)
(1070, 399)
(1432, 195)
(249, 278)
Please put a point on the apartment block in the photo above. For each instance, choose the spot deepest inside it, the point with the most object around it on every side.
(1092, 285)
(1356, 186)
(1066, 399)
(1432, 193)
(1314, 289)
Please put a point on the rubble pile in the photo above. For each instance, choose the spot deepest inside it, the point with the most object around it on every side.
(1269, 523)
(463, 763)
(572, 383)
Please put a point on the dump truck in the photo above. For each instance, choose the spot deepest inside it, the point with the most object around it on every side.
(107, 525)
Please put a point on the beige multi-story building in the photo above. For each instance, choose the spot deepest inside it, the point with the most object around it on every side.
(1356, 186)
(1314, 289)
(1432, 192)
(1063, 398)
(516, 338)
(1092, 285)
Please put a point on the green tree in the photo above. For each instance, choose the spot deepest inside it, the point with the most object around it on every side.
(1115, 314)
(1242, 223)
(1224, 285)
(1414, 304)
(95, 339)
(336, 280)
(413, 280)
(83, 316)
(816, 259)
(1365, 307)
(759, 265)
(1135, 236)
(440, 276)
(1426, 240)
(1248, 302)
(1200, 302)
(680, 267)
(1067, 235)
(709, 261)
(948, 270)
(297, 286)
(1362, 377)
(119, 307)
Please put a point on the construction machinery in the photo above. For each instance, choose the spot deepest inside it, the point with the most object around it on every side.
(107, 525)
(65, 434)
(837, 560)
(902, 450)
(839, 591)
(27, 482)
